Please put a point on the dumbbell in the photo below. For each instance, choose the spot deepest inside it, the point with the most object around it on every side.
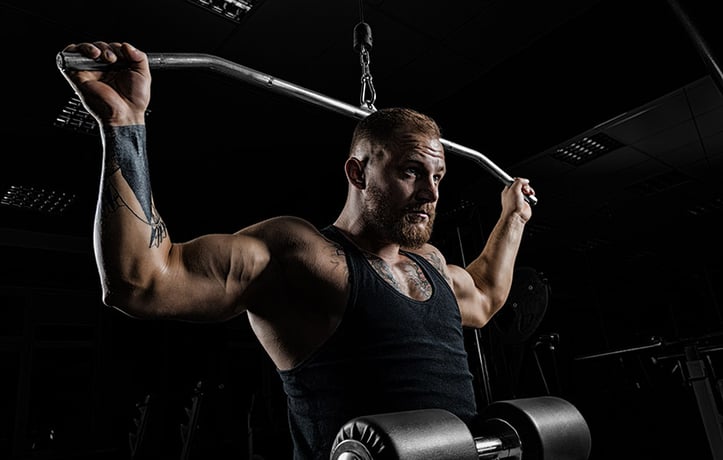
(538, 428)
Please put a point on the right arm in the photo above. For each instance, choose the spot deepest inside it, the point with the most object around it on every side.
(143, 273)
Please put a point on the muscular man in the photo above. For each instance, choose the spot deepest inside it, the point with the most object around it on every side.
(363, 316)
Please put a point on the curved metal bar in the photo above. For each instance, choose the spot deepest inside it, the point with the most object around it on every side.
(75, 61)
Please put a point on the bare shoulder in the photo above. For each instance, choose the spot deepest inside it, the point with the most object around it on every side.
(436, 258)
(307, 276)
(299, 245)
(299, 299)
(286, 233)
(457, 277)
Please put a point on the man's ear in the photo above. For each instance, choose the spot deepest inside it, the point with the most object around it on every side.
(355, 172)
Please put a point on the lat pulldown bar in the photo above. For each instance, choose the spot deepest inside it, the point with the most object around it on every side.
(75, 61)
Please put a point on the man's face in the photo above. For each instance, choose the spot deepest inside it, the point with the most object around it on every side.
(403, 189)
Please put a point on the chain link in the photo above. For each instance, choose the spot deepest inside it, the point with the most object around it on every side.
(368, 95)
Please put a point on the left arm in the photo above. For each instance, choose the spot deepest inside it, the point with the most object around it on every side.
(484, 285)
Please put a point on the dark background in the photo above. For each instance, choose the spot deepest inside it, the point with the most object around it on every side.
(620, 269)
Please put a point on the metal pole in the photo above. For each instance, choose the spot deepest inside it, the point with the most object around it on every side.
(699, 379)
(75, 61)
(700, 44)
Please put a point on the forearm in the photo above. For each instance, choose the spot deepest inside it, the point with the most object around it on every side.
(131, 242)
(493, 269)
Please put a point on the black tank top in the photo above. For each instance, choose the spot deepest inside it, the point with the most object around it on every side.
(389, 353)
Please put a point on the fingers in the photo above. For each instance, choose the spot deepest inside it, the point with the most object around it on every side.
(109, 52)
(527, 189)
(523, 185)
(91, 50)
(522, 190)
(116, 93)
(516, 198)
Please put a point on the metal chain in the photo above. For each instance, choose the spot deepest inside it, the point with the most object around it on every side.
(368, 94)
(362, 44)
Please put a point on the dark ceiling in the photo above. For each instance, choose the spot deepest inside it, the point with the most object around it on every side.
(513, 80)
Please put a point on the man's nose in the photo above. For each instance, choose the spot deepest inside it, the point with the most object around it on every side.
(428, 190)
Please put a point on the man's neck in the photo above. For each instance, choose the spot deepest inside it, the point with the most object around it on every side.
(368, 243)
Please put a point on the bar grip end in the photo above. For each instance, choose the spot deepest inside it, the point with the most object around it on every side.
(67, 61)
(60, 61)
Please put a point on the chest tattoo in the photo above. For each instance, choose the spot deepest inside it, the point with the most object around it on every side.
(408, 279)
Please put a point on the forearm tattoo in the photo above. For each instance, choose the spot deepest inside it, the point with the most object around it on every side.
(126, 151)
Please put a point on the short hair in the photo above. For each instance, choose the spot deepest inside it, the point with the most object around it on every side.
(385, 124)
